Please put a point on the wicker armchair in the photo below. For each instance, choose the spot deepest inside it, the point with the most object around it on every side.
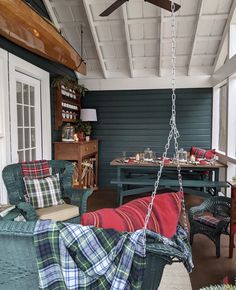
(211, 218)
(13, 179)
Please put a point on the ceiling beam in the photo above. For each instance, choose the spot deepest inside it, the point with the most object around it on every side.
(225, 33)
(147, 83)
(225, 71)
(95, 37)
(127, 35)
(160, 43)
(199, 13)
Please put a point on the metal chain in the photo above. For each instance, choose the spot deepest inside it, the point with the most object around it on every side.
(173, 130)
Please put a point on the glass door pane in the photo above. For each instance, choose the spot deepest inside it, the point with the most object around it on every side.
(26, 110)
(26, 121)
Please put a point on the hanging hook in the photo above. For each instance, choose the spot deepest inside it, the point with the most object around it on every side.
(81, 46)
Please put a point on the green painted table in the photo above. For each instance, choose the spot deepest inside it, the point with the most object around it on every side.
(139, 177)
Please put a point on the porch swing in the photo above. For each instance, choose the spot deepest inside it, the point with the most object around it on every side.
(97, 258)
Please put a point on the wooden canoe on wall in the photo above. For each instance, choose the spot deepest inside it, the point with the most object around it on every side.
(24, 26)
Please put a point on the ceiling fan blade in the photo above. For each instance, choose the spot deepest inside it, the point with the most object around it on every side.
(113, 7)
(165, 4)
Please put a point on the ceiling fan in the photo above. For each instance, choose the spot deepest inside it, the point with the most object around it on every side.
(165, 4)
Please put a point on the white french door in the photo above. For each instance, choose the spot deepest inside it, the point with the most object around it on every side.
(25, 115)
(25, 118)
(30, 117)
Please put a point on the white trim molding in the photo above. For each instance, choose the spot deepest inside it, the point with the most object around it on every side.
(4, 123)
(146, 83)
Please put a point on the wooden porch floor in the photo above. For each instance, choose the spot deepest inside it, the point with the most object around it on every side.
(207, 268)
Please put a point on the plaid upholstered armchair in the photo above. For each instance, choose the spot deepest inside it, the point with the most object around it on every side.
(18, 185)
(211, 218)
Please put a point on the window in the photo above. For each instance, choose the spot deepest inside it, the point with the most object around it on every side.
(224, 124)
(232, 117)
(222, 140)
(224, 105)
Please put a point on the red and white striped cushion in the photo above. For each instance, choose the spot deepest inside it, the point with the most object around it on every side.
(130, 216)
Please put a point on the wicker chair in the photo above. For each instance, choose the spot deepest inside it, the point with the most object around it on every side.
(211, 218)
(13, 179)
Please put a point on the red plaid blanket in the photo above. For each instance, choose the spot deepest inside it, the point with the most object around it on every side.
(35, 169)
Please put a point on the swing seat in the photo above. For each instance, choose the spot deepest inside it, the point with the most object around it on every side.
(18, 263)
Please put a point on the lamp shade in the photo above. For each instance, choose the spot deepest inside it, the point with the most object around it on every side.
(88, 115)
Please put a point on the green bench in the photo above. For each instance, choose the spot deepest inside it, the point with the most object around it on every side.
(138, 185)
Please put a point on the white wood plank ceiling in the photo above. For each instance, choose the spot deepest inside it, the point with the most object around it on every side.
(135, 40)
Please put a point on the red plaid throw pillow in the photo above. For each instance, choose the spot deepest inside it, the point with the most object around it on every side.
(208, 220)
(202, 153)
(130, 216)
(35, 169)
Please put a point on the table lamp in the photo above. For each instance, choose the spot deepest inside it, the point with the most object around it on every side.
(87, 116)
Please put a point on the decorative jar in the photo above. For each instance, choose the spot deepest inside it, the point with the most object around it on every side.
(182, 155)
(148, 155)
(68, 132)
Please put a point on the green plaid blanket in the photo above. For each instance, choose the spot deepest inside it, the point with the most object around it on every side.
(74, 257)
(71, 256)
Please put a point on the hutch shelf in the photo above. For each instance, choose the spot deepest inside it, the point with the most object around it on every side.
(68, 106)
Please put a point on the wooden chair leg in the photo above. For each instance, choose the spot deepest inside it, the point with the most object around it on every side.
(231, 246)
(191, 238)
(217, 244)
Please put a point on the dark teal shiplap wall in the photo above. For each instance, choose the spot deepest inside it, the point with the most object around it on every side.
(133, 120)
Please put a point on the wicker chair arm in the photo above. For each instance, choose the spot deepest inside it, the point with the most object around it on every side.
(78, 197)
(166, 251)
(13, 228)
(27, 210)
(209, 205)
(200, 209)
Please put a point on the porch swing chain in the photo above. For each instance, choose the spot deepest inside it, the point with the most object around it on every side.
(173, 130)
